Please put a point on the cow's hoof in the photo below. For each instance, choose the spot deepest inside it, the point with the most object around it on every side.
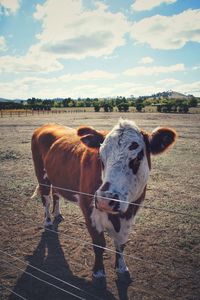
(99, 282)
(58, 219)
(124, 277)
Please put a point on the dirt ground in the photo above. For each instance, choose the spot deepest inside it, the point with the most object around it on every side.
(163, 253)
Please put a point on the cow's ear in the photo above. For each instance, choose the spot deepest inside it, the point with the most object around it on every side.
(161, 139)
(90, 137)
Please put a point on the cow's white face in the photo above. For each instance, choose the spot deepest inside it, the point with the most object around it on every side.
(125, 167)
(125, 156)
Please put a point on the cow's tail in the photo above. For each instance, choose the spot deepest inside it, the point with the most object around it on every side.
(36, 192)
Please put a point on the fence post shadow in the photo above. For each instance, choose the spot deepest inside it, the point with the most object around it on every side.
(49, 257)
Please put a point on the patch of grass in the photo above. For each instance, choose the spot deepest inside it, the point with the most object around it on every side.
(9, 155)
(189, 242)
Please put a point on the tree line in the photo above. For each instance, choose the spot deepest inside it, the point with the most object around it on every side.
(121, 104)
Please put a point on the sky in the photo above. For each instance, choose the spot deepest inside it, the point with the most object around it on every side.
(107, 48)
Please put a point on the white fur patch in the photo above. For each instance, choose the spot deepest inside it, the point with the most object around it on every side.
(45, 176)
(77, 197)
(101, 222)
(57, 205)
(121, 265)
(47, 206)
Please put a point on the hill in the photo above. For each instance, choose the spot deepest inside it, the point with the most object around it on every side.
(170, 95)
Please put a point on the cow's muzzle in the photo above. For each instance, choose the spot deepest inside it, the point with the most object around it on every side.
(107, 204)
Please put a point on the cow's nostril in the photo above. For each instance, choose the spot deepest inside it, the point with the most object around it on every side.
(113, 202)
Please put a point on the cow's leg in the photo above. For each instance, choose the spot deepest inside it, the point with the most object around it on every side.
(47, 202)
(120, 265)
(45, 191)
(99, 243)
(43, 182)
(98, 276)
(56, 208)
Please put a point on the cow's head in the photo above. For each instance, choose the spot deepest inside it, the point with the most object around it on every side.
(125, 157)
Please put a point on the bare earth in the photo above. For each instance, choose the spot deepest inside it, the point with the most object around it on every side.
(163, 253)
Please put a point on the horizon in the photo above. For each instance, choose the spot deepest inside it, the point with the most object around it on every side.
(98, 49)
(102, 98)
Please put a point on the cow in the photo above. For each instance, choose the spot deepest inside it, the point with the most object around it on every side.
(112, 166)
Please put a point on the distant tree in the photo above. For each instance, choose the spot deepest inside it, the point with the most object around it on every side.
(123, 107)
(47, 104)
(66, 102)
(80, 103)
(139, 104)
(192, 102)
(97, 106)
(88, 102)
(35, 103)
(72, 103)
(107, 107)
(57, 104)
(183, 108)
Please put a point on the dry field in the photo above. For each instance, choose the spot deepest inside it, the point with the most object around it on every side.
(167, 243)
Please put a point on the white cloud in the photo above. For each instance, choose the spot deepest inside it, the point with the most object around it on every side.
(190, 88)
(141, 5)
(154, 70)
(146, 60)
(168, 82)
(79, 32)
(28, 64)
(171, 32)
(60, 86)
(2, 43)
(9, 6)
(137, 89)
(197, 67)
(89, 75)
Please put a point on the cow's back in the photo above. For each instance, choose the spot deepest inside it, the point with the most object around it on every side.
(44, 136)
(67, 162)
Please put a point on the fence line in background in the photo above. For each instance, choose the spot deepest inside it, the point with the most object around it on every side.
(24, 113)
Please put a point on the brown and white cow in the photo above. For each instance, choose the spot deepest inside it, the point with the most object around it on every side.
(113, 166)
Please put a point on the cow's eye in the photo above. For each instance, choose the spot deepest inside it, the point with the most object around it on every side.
(134, 164)
(133, 146)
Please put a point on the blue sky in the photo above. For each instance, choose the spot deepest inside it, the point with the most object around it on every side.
(87, 48)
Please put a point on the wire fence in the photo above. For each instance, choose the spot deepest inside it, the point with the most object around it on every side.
(31, 112)
(76, 289)
(3, 287)
(42, 280)
(172, 211)
(47, 274)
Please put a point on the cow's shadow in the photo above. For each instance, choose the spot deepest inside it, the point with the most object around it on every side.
(49, 257)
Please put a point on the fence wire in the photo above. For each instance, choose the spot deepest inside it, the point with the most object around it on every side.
(46, 273)
(172, 211)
